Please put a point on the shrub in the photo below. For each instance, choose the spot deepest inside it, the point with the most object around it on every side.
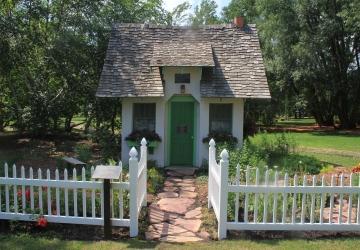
(278, 145)
(295, 163)
(83, 152)
(247, 155)
(109, 143)
(277, 150)
(155, 179)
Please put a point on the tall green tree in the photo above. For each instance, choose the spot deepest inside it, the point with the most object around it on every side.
(52, 54)
(205, 13)
(311, 50)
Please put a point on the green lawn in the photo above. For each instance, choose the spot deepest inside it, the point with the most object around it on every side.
(30, 242)
(335, 159)
(337, 141)
(296, 122)
(343, 149)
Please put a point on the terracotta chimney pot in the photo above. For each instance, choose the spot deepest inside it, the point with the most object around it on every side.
(239, 21)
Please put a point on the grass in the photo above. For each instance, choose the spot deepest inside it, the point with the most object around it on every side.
(335, 159)
(336, 147)
(27, 242)
(329, 140)
(296, 122)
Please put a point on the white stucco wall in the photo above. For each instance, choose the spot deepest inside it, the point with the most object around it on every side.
(201, 110)
(237, 122)
(127, 127)
(172, 88)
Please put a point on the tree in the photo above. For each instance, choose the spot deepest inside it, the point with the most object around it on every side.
(51, 57)
(180, 14)
(205, 13)
(311, 50)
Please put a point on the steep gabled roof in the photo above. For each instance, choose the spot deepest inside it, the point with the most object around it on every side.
(182, 54)
(231, 56)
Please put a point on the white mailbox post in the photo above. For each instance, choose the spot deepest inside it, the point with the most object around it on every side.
(107, 173)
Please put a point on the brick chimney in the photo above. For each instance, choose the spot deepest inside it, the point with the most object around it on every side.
(239, 21)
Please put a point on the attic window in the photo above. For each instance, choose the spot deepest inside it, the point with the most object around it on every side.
(182, 78)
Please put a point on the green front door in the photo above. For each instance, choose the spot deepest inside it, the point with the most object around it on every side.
(182, 133)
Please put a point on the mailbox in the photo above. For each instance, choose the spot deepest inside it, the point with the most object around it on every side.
(107, 173)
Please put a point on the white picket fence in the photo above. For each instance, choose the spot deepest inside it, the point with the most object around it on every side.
(74, 199)
(280, 204)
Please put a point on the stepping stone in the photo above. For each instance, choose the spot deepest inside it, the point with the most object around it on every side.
(188, 194)
(152, 235)
(168, 195)
(175, 205)
(189, 181)
(190, 189)
(204, 235)
(165, 229)
(191, 225)
(185, 184)
(173, 174)
(169, 184)
(170, 189)
(156, 215)
(150, 198)
(179, 172)
(185, 237)
(196, 213)
(174, 179)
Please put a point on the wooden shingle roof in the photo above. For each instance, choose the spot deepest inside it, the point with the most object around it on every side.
(231, 57)
(182, 54)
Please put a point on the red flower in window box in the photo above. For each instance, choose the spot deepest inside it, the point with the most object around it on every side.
(42, 222)
(19, 193)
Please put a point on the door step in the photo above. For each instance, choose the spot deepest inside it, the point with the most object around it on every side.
(180, 171)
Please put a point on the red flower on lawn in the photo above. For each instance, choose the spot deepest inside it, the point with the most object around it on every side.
(42, 222)
(356, 169)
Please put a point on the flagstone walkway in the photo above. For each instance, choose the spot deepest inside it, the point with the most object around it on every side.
(175, 215)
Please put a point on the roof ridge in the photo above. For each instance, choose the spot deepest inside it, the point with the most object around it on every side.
(164, 26)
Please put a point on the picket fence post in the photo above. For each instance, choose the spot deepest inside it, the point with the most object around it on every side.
(210, 163)
(223, 194)
(143, 150)
(133, 171)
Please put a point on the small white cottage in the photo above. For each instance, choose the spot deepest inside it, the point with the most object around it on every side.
(180, 84)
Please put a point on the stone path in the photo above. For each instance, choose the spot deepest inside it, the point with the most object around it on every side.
(174, 216)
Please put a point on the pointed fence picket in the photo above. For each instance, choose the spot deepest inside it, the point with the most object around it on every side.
(262, 201)
(24, 197)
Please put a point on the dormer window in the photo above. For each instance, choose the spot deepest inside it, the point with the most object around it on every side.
(182, 78)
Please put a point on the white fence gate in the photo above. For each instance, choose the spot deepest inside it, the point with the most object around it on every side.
(280, 204)
(74, 199)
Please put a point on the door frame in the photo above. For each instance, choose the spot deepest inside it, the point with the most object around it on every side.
(181, 98)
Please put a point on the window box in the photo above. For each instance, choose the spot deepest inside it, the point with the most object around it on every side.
(220, 137)
(152, 145)
(132, 144)
(134, 139)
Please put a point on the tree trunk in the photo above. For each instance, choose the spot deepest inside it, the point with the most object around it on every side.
(55, 124)
(68, 127)
(113, 120)
(88, 123)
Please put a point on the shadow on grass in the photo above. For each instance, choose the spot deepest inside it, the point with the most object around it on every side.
(335, 133)
(25, 241)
